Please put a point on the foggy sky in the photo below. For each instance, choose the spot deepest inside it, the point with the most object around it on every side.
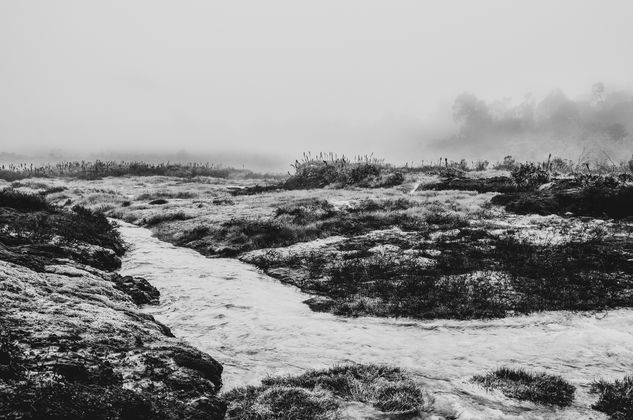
(287, 76)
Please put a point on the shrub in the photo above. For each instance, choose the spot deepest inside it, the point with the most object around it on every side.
(481, 165)
(529, 175)
(507, 164)
(324, 170)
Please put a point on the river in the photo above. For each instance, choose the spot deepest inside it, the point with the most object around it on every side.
(256, 326)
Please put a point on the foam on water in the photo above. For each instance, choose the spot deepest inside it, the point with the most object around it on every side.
(256, 326)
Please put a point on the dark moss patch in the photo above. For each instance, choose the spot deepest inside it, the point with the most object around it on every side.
(467, 274)
(319, 394)
(523, 385)
(614, 398)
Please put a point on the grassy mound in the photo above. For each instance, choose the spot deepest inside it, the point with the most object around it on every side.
(614, 398)
(322, 171)
(585, 195)
(467, 274)
(329, 170)
(320, 394)
(523, 385)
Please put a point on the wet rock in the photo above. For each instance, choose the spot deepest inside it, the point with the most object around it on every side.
(199, 362)
(320, 303)
(139, 289)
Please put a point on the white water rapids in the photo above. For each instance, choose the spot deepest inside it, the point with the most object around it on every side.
(256, 326)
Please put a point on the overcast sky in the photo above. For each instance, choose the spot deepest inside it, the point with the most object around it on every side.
(286, 76)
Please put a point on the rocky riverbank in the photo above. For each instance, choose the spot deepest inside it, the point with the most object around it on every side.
(73, 341)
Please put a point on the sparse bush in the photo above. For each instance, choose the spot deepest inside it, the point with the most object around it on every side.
(523, 385)
(481, 165)
(507, 164)
(529, 176)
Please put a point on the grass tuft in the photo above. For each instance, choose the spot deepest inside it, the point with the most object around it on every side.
(537, 387)
(319, 394)
(614, 398)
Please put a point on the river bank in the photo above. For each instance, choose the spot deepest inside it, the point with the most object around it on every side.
(74, 342)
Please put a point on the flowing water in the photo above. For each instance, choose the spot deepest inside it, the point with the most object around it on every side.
(256, 326)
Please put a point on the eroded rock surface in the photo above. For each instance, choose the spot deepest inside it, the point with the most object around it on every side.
(73, 341)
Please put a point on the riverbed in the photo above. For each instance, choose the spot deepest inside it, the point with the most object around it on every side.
(255, 326)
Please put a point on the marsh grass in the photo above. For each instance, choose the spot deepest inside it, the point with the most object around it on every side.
(614, 398)
(319, 394)
(537, 387)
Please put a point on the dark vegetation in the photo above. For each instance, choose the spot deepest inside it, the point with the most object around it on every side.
(614, 398)
(319, 394)
(531, 386)
(602, 196)
(537, 189)
(329, 170)
(34, 233)
(449, 270)
(100, 169)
